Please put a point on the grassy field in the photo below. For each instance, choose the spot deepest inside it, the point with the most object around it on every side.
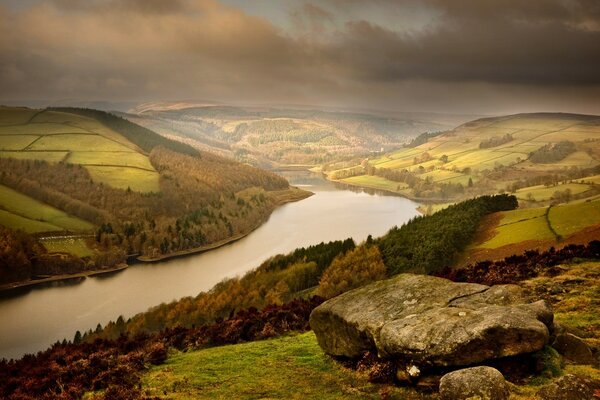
(76, 246)
(533, 228)
(35, 216)
(57, 136)
(545, 193)
(375, 182)
(479, 151)
(530, 224)
(124, 177)
(15, 221)
(291, 367)
(110, 158)
(568, 219)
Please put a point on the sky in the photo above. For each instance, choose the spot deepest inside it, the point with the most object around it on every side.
(452, 56)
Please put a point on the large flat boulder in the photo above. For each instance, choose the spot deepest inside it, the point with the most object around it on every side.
(432, 321)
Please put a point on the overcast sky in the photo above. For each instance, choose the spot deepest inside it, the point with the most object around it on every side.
(467, 56)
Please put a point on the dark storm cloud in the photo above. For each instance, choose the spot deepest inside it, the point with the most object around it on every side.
(376, 53)
(532, 42)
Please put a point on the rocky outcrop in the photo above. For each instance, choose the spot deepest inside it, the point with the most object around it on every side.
(483, 383)
(430, 321)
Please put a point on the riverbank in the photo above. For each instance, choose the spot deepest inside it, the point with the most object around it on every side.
(62, 277)
(281, 197)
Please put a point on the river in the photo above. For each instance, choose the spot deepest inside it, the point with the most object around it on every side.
(34, 318)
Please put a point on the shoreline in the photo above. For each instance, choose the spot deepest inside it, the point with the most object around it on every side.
(295, 194)
(301, 195)
(62, 277)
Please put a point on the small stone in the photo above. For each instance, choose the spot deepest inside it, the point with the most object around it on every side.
(573, 349)
(483, 383)
(414, 371)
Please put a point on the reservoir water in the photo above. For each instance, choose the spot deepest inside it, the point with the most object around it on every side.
(33, 319)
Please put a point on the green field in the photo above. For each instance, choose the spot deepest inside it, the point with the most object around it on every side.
(57, 136)
(480, 151)
(291, 367)
(544, 193)
(114, 158)
(568, 219)
(535, 228)
(15, 221)
(375, 182)
(530, 223)
(16, 142)
(75, 246)
(40, 129)
(123, 178)
(75, 142)
(34, 216)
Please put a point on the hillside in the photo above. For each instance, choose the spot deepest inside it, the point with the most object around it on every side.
(93, 188)
(542, 158)
(512, 232)
(274, 137)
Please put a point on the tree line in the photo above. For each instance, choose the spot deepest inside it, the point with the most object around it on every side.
(425, 244)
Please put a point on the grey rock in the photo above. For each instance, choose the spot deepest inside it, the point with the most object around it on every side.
(573, 348)
(569, 387)
(483, 383)
(432, 321)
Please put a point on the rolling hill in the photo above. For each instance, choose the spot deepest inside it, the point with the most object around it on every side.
(92, 185)
(276, 136)
(540, 157)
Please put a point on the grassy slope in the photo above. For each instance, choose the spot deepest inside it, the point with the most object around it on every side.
(59, 136)
(295, 367)
(529, 131)
(510, 232)
(291, 367)
(34, 216)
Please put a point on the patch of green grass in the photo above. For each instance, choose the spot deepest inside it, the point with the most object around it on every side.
(522, 214)
(518, 226)
(17, 222)
(16, 142)
(75, 142)
(568, 219)
(50, 156)
(125, 177)
(545, 193)
(29, 208)
(375, 182)
(75, 246)
(118, 158)
(291, 367)
(39, 129)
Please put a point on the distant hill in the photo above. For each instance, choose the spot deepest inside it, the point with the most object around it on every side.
(531, 155)
(274, 136)
(95, 187)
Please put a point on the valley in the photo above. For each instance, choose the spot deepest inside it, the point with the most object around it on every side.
(117, 191)
(275, 137)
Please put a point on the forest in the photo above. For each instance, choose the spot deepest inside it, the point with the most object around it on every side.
(203, 199)
(425, 244)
